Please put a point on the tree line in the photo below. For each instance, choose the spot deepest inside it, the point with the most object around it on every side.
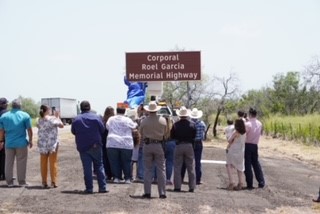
(291, 93)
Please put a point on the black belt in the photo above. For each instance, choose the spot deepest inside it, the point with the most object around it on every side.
(149, 140)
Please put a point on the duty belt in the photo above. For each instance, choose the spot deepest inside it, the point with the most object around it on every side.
(149, 140)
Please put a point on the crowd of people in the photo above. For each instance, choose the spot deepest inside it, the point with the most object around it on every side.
(110, 146)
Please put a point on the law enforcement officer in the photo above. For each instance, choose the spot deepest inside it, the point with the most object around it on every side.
(152, 131)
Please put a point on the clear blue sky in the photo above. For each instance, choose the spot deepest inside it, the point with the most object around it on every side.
(76, 48)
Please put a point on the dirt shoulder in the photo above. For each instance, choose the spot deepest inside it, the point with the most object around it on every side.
(273, 147)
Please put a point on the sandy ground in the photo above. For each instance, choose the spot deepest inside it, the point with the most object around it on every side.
(291, 172)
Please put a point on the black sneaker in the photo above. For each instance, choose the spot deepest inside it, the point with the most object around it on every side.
(191, 190)
(163, 196)
(86, 192)
(177, 190)
(146, 195)
(249, 188)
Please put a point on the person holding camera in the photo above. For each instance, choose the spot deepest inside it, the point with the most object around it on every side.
(48, 143)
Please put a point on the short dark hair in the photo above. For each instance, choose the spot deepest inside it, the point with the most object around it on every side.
(121, 110)
(16, 103)
(252, 112)
(240, 113)
(229, 121)
(3, 101)
(153, 98)
(85, 106)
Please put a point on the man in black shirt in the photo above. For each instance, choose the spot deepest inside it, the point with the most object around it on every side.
(184, 132)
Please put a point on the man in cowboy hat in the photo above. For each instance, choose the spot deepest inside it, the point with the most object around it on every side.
(184, 132)
(152, 130)
(198, 145)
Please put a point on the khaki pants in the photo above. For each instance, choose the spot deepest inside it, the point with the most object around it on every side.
(21, 155)
(52, 158)
(184, 153)
(154, 156)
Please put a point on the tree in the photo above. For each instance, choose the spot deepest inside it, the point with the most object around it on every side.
(286, 91)
(30, 106)
(259, 99)
(187, 94)
(311, 74)
(225, 88)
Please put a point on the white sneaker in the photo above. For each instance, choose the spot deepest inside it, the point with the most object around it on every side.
(127, 181)
(116, 181)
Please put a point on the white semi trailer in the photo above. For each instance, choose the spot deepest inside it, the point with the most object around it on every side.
(68, 108)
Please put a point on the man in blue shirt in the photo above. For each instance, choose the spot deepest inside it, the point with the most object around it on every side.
(198, 144)
(13, 126)
(88, 129)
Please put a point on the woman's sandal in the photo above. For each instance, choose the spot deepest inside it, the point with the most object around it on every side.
(230, 187)
(238, 187)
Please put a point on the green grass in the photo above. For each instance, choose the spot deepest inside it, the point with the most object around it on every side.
(34, 121)
(301, 128)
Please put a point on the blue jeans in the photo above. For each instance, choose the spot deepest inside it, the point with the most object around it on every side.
(140, 170)
(169, 154)
(89, 157)
(120, 160)
(198, 147)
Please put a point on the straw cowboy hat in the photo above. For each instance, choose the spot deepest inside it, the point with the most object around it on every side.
(152, 107)
(195, 113)
(132, 114)
(183, 112)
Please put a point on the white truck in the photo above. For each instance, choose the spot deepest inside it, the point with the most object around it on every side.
(68, 108)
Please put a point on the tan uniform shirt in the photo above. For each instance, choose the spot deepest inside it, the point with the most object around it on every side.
(153, 127)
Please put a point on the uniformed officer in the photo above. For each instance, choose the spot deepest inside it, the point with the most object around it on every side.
(152, 130)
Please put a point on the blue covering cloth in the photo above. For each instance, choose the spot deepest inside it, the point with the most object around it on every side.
(136, 93)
